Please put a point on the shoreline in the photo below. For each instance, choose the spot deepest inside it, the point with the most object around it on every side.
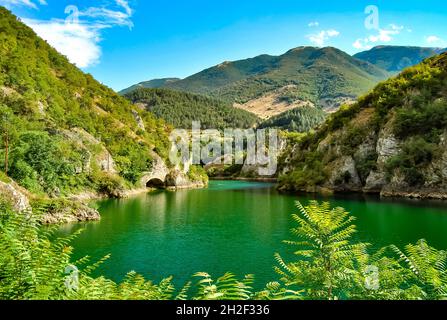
(385, 194)
(267, 180)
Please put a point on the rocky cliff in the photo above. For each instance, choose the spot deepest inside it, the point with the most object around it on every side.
(393, 141)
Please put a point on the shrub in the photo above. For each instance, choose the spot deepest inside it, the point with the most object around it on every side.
(109, 185)
(416, 154)
(427, 120)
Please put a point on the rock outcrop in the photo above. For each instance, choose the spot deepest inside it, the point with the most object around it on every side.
(71, 212)
(15, 195)
(139, 120)
(392, 142)
(67, 212)
(95, 152)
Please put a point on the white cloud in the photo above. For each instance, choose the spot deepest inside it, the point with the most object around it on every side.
(333, 33)
(80, 43)
(109, 17)
(26, 3)
(362, 44)
(434, 40)
(386, 35)
(383, 35)
(320, 38)
(80, 39)
(125, 5)
(313, 24)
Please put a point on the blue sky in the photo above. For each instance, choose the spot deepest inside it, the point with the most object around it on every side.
(122, 42)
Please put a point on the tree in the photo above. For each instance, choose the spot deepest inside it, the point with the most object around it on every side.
(8, 132)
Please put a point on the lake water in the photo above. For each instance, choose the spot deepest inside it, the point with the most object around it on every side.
(233, 226)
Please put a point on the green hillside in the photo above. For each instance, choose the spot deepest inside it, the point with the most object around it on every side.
(320, 76)
(181, 109)
(311, 74)
(301, 119)
(393, 141)
(156, 83)
(56, 120)
(397, 58)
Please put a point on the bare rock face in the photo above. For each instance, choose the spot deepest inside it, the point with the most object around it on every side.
(375, 182)
(73, 212)
(368, 147)
(344, 174)
(139, 120)
(102, 158)
(387, 147)
(443, 161)
(41, 107)
(69, 212)
(15, 195)
(177, 179)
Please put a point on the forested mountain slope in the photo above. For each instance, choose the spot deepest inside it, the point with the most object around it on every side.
(63, 132)
(397, 58)
(151, 84)
(324, 77)
(392, 141)
(181, 109)
(301, 119)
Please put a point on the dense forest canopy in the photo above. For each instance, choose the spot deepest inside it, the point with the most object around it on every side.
(181, 109)
(302, 119)
(310, 74)
(44, 98)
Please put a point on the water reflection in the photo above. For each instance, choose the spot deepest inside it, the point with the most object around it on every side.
(233, 226)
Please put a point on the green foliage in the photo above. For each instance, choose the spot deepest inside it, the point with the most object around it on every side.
(197, 174)
(109, 185)
(423, 118)
(308, 173)
(152, 84)
(412, 106)
(416, 154)
(44, 99)
(44, 163)
(227, 287)
(180, 109)
(327, 259)
(304, 73)
(428, 267)
(353, 136)
(301, 119)
(330, 264)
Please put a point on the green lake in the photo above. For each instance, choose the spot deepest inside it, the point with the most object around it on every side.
(233, 226)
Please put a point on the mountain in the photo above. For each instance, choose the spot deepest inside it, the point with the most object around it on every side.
(269, 85)
(181, 108)
(397, 58)
(393, 141)
(156, 83)
(64, 133)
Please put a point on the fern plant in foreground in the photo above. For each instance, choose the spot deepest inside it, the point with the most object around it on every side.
(330, 264)
(428, 266)
(327, 259)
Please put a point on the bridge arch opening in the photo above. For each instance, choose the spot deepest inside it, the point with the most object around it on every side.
(155, 183)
